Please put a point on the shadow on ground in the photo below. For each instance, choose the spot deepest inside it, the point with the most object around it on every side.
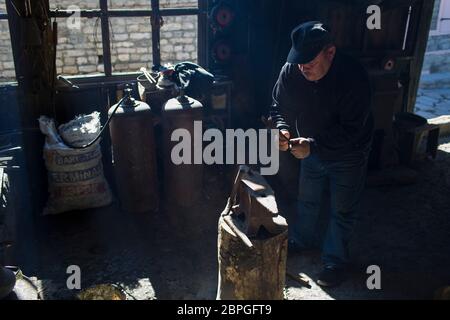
(172, 254)
(404, 230)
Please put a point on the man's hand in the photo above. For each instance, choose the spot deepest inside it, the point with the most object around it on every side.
(301, 148)
(284, 142)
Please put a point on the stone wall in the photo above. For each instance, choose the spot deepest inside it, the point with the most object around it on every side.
(6, 59)
(437, 4)
(437, 56)
(80, 46)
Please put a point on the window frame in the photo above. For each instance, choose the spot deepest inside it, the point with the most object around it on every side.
(4, 16)
(155, 14)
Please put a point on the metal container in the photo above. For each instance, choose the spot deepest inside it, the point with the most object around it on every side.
(133, 145)
(183, 182)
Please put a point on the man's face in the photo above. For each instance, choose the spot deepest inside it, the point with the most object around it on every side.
(318, 68)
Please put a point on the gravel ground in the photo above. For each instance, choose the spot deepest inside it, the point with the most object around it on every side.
(172, 255)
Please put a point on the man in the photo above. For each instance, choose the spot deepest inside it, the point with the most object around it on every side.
(323, 98)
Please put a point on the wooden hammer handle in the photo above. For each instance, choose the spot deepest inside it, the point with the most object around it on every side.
(228, 220)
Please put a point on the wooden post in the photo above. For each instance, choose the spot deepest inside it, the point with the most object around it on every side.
(33, 49)
(252, 242)
(256, 273)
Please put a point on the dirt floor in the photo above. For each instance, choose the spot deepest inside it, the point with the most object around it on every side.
(405, 230)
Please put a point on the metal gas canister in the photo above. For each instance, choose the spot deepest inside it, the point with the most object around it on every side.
(183, 182)
(133, 145)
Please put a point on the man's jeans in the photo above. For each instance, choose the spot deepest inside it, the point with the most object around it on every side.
(346, 179)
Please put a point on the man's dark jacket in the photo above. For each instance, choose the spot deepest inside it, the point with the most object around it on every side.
(334, 111)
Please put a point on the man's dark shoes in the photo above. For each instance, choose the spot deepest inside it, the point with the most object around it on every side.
(331, 276)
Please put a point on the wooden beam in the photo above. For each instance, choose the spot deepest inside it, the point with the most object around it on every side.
(106, 43)
(121, 13)
(156, 33)
(13, 21)
(202, 40)
(33, 47)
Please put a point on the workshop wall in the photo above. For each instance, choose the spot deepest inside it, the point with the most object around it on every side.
(80, 49)
(437, 57)
(6, 57)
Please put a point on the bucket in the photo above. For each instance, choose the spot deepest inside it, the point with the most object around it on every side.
(408, 121)
(144, 85)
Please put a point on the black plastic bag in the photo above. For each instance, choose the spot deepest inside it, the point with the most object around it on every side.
(196, 81)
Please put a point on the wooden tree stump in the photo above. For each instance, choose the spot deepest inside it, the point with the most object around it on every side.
(256, 273)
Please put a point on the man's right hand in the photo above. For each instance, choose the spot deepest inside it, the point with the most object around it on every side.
(284, 143)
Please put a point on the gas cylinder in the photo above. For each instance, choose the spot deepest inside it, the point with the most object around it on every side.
(183, 182)
(133, 145)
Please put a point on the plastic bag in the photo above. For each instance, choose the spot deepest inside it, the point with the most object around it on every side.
(75, 176)
(197, 81)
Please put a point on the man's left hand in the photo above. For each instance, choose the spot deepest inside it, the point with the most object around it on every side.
(301, 148)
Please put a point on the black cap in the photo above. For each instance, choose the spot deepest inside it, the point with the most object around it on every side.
(308, 39)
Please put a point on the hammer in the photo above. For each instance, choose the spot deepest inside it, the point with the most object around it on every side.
(231, 200)
(269, 125)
